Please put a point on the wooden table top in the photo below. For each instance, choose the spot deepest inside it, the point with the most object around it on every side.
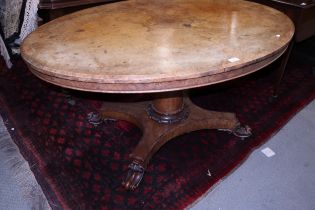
(157, 45)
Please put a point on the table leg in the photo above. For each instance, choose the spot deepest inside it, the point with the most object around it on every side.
(163, 119)
(281, 70)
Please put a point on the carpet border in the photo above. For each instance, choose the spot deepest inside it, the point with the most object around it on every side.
(54, 199)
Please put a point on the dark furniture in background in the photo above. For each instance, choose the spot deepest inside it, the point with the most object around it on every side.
(301, 12)
(57, 4)
(52, 9)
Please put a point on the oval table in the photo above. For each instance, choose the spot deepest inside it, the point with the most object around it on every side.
(161, 48)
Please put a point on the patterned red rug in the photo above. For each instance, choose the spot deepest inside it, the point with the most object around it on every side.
(80, 166)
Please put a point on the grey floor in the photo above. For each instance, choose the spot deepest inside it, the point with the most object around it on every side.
(285, 181)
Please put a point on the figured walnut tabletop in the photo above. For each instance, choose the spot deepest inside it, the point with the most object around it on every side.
(144, 46)
(153, 46)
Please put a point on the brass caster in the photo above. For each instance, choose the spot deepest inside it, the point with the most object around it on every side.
(94, 118)
(242, 131)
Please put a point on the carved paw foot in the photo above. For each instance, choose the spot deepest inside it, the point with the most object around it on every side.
(242, 131)
(134, 176)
